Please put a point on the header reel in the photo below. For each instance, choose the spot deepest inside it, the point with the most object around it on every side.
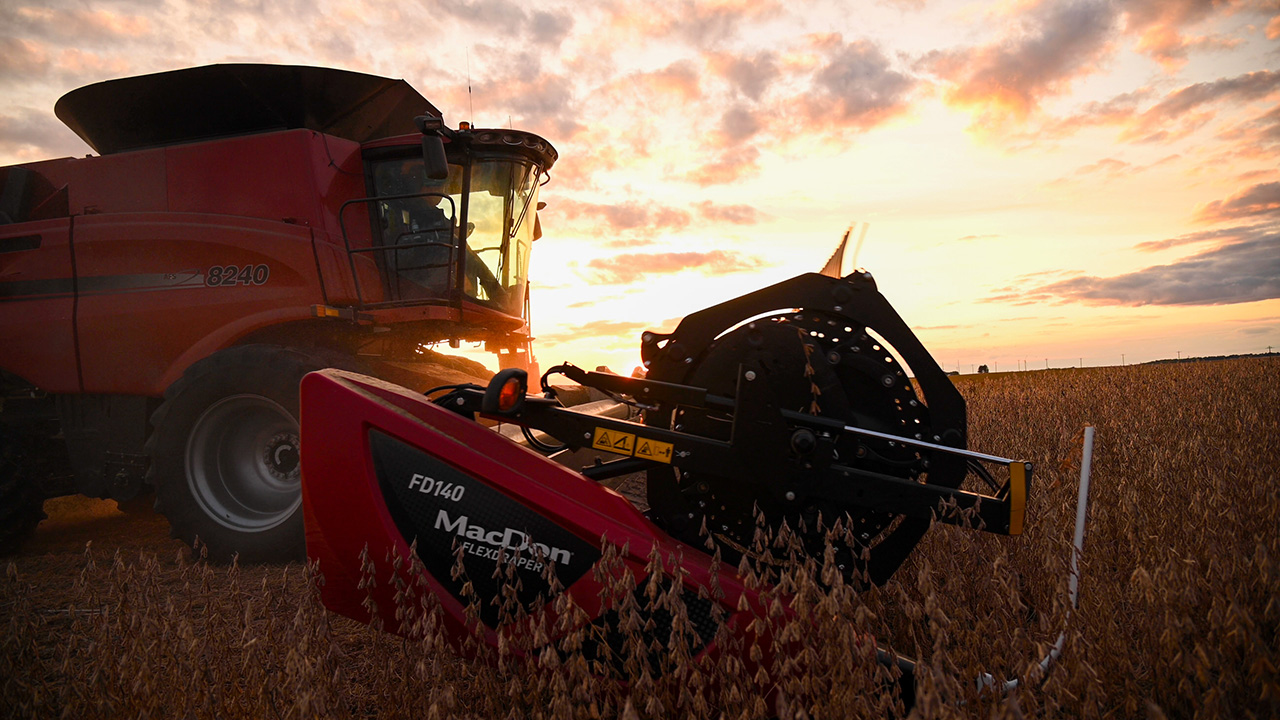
(756, 411)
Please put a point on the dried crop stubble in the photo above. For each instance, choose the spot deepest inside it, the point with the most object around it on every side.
(1178, 611)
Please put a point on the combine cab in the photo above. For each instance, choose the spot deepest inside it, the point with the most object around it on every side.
(242, 225)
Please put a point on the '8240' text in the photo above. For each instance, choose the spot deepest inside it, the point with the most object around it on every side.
(229, 275)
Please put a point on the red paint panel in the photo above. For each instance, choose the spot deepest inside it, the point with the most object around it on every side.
(264, 176)
(345, 509)
(146, 308)
(37, 341)
(131, 182)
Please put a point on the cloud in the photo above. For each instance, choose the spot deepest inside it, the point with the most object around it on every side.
(904, 5)
(700, 23)
(633, 242)
(631, 267)
(1259, 201)
(36, 135)
(1257, 137)
(1159, 24)
(1160, 122)
(632, 215)
(1119, 110)
(737, 125)
(509, 18)
(734, 214)
(855, 87)
(969, 238)
(22, 60)
(547, 28)
(76, 25)
(647, 219)
(606, 329)
(1218, 236)
(540, 101)
(1238, 272)
(1179, 113)
(1054, 44)
(750, 75)
(678, 81)
(729, 166)
(1108, 169)
(593, 329)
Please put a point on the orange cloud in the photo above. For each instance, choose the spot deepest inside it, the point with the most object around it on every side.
(77, 62)
(1159, 25)
(628, 268)
(855, 88)
(734, 214)
(1179, 113)
(540, 101)
(1258, 201)
(1108, 169)
(1257, 137)
(597, 330)
(730, 166)
(36, 135)
(1236, 272)
(698, 22)
(22, 59)
(749, 75)
(1184, 110)
(80, 25)
(679, 79)
(593, 329)
(630, 215)
(1053, 45)
(1218, 237)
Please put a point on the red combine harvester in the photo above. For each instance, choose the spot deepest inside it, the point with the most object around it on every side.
(242, 225)
(789, 406)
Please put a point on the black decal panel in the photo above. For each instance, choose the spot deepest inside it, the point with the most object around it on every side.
(439, 505)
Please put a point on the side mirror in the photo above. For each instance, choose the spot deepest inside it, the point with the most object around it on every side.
(433, 158)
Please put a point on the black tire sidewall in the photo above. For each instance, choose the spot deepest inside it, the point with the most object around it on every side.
(21, 499)
(271, 372)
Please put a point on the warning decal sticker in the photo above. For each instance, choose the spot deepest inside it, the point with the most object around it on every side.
(623, 443)
(654, 450)
(614, 441)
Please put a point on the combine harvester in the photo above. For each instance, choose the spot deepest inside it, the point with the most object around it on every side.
(241, 225)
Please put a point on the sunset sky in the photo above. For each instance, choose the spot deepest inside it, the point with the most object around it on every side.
(1062, 181)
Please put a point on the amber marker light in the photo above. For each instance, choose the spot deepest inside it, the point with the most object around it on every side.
(510, 394)
(505, 393)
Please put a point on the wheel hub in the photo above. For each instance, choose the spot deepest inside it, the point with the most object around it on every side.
(242, 463)
(281, 456)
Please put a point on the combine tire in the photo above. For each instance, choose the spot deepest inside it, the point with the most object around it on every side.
(21, 501)
(224, 453)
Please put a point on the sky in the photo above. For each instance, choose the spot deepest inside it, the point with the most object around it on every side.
(1045, 183)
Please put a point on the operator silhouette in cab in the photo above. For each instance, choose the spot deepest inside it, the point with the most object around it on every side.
(421, 230)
